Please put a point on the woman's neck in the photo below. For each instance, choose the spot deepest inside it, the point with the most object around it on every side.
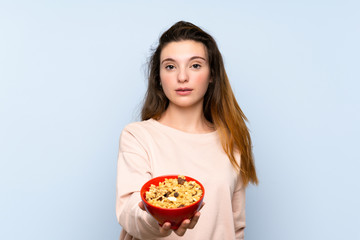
(190, 120)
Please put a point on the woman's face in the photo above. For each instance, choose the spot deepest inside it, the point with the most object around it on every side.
(184, 73)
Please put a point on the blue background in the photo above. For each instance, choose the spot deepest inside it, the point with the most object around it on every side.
(72, 75)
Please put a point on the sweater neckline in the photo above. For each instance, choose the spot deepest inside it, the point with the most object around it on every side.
(177, 131)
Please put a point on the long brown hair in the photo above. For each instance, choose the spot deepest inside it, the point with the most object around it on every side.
(220, 106)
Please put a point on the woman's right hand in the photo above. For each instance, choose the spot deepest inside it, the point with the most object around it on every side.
(165, 229)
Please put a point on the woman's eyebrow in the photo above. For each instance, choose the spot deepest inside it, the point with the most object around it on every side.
(172, 60)
(168, 59)
(195, 57)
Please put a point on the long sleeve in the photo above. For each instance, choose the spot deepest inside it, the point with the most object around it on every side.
(132, 172)
(238, 205)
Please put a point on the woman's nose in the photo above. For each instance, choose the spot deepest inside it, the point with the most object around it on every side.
(182, 76)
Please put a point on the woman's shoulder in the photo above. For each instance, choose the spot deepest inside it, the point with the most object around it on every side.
(139, 126)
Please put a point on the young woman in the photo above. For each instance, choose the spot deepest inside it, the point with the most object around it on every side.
(191, 125)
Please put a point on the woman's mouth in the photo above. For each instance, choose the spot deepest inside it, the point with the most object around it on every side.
(183, 91)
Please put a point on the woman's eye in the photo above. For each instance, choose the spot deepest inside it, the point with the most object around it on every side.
(170, 67)
(196, 66)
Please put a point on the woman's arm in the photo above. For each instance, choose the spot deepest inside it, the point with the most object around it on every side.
(238, 205)
(133, 171)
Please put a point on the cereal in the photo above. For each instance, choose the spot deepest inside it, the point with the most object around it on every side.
(174, 193)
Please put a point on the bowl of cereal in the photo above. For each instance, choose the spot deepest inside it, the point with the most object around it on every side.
(172, 198)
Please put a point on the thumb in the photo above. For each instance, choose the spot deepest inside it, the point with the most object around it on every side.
(141, 205)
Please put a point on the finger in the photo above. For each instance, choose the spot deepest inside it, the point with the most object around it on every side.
(141, 205)
(165, 229)
(183, 227)
(194, 220)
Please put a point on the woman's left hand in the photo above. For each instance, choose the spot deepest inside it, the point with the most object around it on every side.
(185, 225)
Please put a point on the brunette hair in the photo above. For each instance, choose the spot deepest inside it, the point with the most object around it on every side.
(220, 106)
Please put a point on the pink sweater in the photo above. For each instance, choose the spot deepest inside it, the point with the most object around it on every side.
(149, 149)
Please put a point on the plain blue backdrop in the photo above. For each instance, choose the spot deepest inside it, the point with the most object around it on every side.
(72, 75)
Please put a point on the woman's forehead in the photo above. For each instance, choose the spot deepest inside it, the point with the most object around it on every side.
(183, 50)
